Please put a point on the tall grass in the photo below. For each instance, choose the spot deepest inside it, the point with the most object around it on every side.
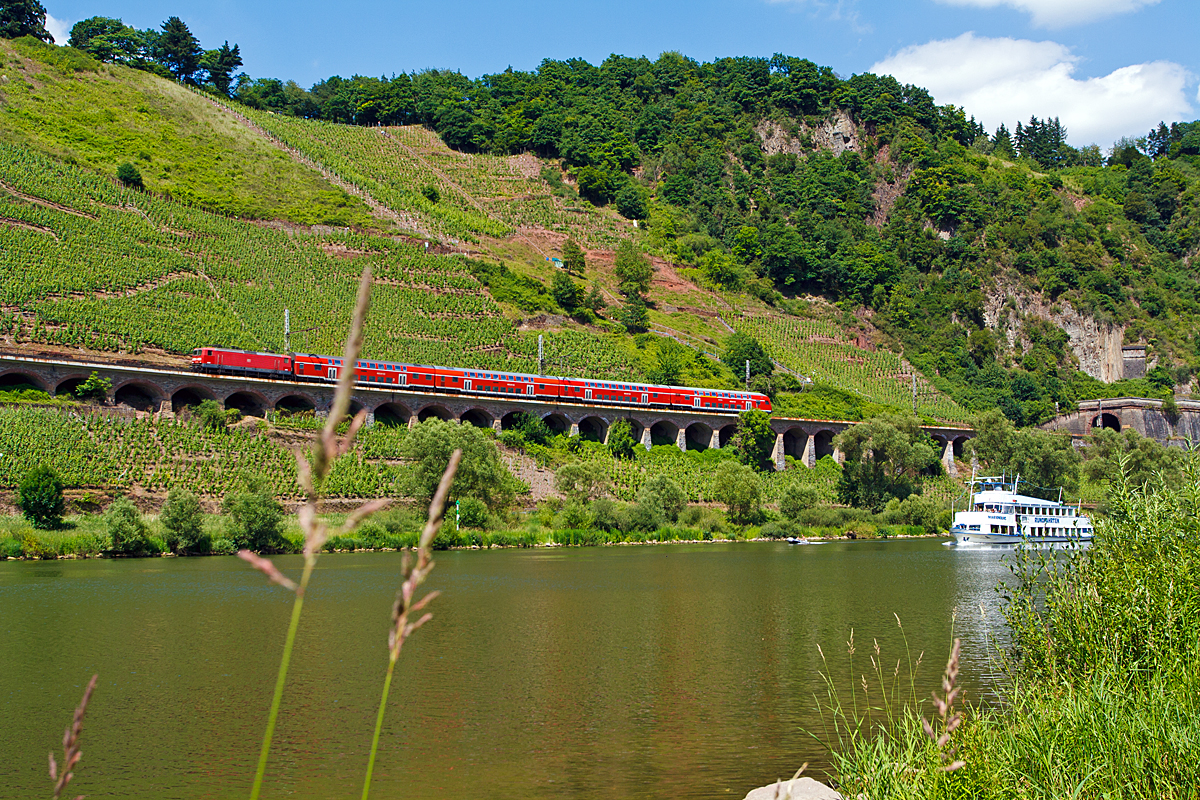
(1103, 692)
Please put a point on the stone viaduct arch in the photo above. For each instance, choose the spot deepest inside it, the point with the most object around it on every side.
(167, 391)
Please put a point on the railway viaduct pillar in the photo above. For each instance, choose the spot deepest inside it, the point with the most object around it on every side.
(168, 391)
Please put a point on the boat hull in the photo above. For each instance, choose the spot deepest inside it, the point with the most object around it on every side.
(976, 538)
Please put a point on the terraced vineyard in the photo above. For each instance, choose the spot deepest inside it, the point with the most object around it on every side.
(105, 452)
(84, 263)
(476, 194)
(819, 349)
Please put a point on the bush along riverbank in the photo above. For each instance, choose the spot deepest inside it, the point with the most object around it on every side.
(1103, 693)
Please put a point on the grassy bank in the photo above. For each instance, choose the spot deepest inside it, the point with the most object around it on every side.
(1102, 695)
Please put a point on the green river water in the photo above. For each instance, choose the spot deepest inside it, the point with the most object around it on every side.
(673, 671)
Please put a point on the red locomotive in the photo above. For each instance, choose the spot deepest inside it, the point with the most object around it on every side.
(384, 374)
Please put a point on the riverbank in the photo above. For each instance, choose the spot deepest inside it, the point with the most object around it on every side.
(86, 536)
(1103, 679)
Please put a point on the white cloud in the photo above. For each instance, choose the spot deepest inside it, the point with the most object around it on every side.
(833, 10)
(60, 29)
(1057, 13)
(1006, 80)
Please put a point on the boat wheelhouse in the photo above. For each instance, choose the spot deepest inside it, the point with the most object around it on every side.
(999, 514)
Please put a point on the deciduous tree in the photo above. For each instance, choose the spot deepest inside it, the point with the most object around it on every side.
(23, 18)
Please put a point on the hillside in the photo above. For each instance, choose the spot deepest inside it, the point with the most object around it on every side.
(861, 235)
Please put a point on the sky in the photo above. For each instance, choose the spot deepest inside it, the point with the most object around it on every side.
(1105, 68)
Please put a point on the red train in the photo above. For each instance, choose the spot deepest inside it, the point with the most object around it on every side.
(382, 374)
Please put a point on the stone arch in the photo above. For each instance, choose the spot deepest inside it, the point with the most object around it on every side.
(794, 442)
(823, 444)
(698, 436)
(664, 432)
(477, 417)
(138, 395)
(295, 404)
(959, 445)
(15, 378)
(1107, 420)
(434, 410)
(940, 441)
(69, 385)
(251, 404)
(557, 423)
(635, 428)
(394, 415)
(726, 433)
(509, 420)
(593, 429)
(189, 396)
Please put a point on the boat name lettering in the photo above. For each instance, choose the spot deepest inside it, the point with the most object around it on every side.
(997, 516)
(1046, 519)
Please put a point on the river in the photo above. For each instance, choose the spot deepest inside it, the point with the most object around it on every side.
(682, 671)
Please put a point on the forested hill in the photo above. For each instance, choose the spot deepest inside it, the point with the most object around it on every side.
(831, 219)
(975, 251)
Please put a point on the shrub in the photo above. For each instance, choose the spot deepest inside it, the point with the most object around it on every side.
(34, 548)
(183, 520)
(40, 497)
(575, 515)
(93, 388)
(737, 487)
(431, 193)
(126, 529)
(620, 439)
(129, 175)
(664, 494)
(798, 498)
(916, 511)
(223, 547)
(254, 519)
(472, 513)
(212, 416)
(10, 548)
(781, 529)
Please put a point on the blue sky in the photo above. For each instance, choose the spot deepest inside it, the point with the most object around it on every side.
(1107, 68)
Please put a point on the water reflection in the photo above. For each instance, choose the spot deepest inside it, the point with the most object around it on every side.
(586, 673)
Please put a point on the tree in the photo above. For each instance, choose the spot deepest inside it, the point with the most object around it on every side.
(632, 269)
(178, 50)
(736, 486)
(1045, 461)
(634, 316)
(481, 474)
(129, 175)
(472, 513)
(798, 498)
(573, 258)
(220, 64)
(126, 529)
(40, 497)
(255, 518)
(111, 40)
(594, 301)
(581, 480)
(632, 201)
(183, 519)
(565, 291)
(620, 439)
(754, 439)
(885, 458)
(93, 388)
(211, 415)
(740, 348)
(23, 18)
(665, 495)
(1142, 459)
(669, 362)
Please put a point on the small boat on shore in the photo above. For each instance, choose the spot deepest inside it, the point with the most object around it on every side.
(1000, 514)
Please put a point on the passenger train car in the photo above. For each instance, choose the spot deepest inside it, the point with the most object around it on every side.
(382, 374)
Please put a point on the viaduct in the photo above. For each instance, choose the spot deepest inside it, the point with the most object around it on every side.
(1138, 413)
(166, 392)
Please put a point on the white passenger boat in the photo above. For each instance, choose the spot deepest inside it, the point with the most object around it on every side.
(999, 514)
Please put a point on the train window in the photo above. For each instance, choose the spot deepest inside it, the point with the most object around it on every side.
(455, 380)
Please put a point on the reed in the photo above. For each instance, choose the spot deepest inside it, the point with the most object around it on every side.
(312, 475)
(71, 752)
